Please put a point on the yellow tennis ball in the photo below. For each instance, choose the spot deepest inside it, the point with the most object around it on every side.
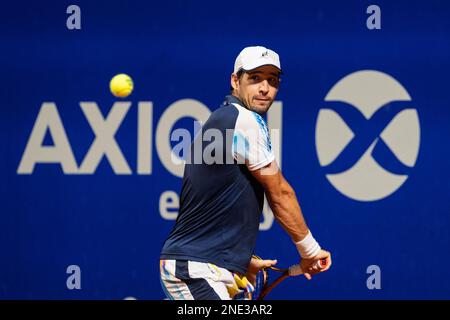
(121, 85)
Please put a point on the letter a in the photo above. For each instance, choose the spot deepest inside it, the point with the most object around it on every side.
(74, 20)
(374, 21)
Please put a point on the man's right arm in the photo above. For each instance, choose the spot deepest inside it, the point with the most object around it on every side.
(252, 146)
(283, 201)
(286, 209)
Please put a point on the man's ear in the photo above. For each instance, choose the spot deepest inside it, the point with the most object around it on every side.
(234, 81)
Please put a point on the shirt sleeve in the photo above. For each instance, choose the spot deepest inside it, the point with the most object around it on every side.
(251, 141)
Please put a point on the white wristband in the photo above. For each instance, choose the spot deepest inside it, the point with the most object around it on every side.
(308, 247)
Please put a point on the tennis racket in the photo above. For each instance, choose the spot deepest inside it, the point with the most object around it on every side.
(265, 288)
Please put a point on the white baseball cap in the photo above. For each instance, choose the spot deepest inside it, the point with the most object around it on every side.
(254, 57)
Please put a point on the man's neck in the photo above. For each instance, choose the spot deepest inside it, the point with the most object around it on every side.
(240, 101)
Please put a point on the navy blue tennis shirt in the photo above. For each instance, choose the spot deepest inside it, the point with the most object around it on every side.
(221, 203)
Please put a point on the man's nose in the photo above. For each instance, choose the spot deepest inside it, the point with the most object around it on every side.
(264, 86)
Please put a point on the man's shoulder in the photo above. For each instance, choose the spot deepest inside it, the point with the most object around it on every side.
(248, 119)
(231, 110)
(223, 117)
(225, 110)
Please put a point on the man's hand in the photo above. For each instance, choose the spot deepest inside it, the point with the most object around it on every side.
(309, 266)
(255, 266)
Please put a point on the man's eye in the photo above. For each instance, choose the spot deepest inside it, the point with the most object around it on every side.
(254, 77)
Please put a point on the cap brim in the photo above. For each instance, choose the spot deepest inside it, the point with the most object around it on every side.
(263, 65)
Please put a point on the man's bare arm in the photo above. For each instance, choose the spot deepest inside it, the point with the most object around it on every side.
(286, 209)
(283, 201)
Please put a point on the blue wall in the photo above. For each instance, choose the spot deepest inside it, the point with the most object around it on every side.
(110, 224)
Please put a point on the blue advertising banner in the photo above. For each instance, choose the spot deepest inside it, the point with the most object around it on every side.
(360, 127)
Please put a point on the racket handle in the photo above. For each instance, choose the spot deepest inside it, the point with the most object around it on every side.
(296, 269)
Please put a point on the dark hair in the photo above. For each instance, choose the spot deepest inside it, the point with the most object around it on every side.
(239, 75)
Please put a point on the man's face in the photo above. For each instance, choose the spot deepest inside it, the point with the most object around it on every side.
(257, 88)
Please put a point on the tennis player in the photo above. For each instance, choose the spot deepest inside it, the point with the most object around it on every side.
(208, 253)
